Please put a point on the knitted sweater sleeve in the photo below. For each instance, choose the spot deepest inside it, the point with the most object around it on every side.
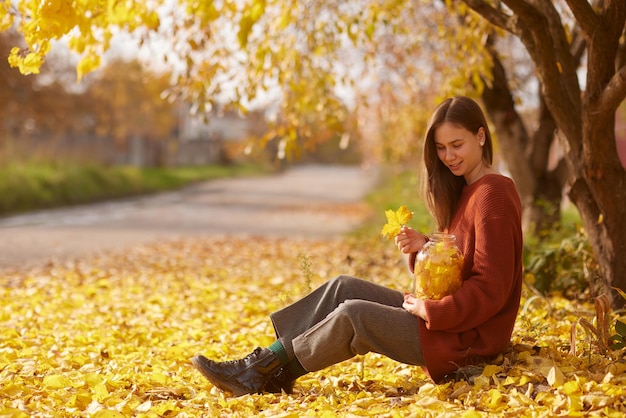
(491, 242)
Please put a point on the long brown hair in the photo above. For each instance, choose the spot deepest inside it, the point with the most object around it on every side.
(443, 188)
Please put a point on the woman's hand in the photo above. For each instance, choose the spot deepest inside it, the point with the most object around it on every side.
(414, 306)
(409, 240)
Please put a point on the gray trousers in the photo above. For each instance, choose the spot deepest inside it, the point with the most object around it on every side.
(344, 317)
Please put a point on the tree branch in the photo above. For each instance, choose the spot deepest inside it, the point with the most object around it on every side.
(583, 12)
(607, 85)
(578, 45)
(544, 37)
(559, 38)
(523, 8)
(615, 91)
(539, 27)
(494, 16)
(543, 137)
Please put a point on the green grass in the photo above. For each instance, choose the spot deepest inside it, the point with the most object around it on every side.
(38, 185)
(396, 188)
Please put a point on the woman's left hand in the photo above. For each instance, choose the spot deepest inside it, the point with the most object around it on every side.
(414, 306)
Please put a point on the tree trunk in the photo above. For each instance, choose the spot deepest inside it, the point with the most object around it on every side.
(599, 179)
(599, 192)
(540, 185)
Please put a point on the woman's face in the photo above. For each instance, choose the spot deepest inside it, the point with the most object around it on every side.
(460, 150)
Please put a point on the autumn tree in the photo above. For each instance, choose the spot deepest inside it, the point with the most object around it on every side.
(583, 112)
(14, 90)
(36, 107)
(126, 102)
(47, 115)
(294, 55)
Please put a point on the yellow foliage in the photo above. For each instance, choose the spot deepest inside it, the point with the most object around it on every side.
(241, 50)
(86, 65)
(28, 63)
(6, 18)
(113, 336)
(395, 221)
(89, 23)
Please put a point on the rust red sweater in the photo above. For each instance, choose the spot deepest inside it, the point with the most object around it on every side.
(476, 322)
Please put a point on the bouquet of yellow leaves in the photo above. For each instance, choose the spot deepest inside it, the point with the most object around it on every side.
(438, 265)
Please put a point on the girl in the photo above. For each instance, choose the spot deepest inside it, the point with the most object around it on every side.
(347, 316)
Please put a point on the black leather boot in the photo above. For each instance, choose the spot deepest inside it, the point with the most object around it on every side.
(250, 374)
(281, 380)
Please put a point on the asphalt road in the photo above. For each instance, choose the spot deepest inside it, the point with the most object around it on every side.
(307, 201)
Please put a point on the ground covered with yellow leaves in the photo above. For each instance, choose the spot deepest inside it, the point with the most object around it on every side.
(113, 337)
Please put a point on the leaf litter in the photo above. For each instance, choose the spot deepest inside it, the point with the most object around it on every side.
(112, 336)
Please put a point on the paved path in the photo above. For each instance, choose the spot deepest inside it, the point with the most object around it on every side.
(307, 201)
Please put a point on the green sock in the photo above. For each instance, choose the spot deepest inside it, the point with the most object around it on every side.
(279, 350)
(294, 366)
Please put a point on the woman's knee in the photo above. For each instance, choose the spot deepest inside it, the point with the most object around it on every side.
(343, 280)
(352, 315)
(351, 308)
(345, 287)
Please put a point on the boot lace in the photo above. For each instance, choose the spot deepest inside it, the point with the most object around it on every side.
(250, 356)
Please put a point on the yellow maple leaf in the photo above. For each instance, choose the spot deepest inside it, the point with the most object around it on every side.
(395, 221)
